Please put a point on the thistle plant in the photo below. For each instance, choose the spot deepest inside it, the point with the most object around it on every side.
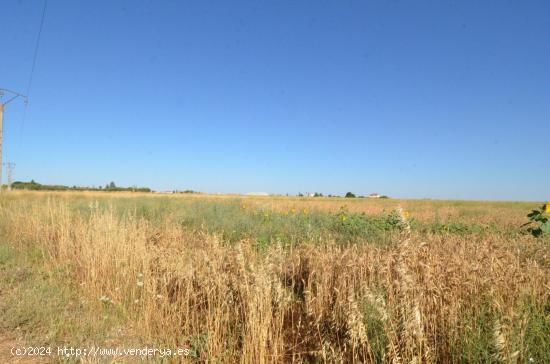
(539, 221)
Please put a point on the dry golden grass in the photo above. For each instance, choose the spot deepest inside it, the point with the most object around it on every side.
(504, 213)
(424, 298)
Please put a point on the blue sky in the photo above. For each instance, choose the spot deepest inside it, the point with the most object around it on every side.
(439, 99)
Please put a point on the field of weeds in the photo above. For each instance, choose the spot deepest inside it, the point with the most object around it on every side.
(262, 280)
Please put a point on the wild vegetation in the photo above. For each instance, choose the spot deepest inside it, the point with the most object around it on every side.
(267, 279)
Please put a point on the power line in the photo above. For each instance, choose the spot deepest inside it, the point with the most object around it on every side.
(36, 46)
(31, 76)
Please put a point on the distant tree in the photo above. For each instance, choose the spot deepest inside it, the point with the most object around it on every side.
(384, 196)
(111, 186)
(350, 195)
(318, 194)
(300, 194)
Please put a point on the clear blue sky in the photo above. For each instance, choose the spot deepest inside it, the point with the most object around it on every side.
(440, 99)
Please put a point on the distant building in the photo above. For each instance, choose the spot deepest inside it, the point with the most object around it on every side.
(374, 195)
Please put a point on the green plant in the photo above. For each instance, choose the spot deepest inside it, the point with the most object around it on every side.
(539, 220)
(350, 195)
(455, 228)
(352, 227)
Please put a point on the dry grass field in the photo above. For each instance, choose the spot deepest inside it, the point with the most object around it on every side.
(275, 279)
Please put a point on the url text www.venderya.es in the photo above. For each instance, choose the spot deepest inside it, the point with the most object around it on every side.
(96, 351)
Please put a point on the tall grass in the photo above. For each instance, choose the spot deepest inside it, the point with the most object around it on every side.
(180, 280)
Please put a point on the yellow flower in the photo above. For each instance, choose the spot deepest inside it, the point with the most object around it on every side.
(547, 208)
(293, 211)
(305, 211)
(344, 218)
(406, 214)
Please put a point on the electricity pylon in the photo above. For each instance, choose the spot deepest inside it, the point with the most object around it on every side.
(9, 169)
(12, 96)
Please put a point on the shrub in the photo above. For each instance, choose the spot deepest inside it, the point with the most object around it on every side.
(539, 221)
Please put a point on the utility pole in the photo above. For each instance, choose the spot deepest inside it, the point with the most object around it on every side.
(9, 168)
(12, 96)
(1, 137)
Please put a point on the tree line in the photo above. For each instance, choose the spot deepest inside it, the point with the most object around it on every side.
(35, 186)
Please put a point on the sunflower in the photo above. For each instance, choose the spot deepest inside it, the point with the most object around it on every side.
(547, 208)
